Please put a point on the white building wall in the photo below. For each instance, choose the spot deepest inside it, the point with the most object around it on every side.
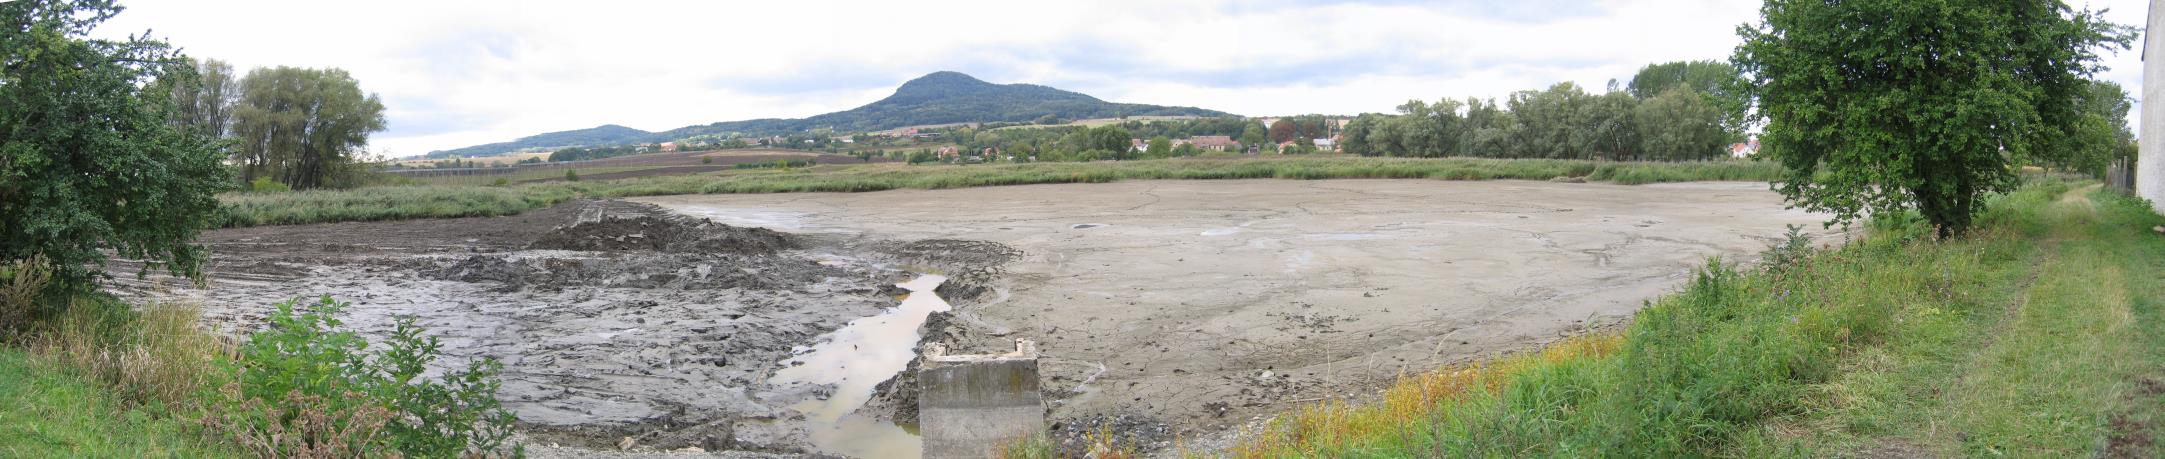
(2150, 167)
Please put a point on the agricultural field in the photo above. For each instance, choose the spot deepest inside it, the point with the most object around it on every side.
(631, 166)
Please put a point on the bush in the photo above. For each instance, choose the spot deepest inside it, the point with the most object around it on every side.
(571, 175)
(1795, 248)
(266, 185)
(305, 387)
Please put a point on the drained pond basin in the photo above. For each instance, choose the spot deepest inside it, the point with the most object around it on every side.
(1162, 310)
(1185, 309)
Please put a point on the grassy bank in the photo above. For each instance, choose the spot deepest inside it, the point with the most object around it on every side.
(404, 202)
(2039, 335)
(45, 411)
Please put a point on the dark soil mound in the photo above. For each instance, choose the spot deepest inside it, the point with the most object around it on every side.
(663, 271)
(663, 233)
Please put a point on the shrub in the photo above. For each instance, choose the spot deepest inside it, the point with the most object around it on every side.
(266, 185)
(571, 175)
(500, 181)
(307, 387)
(706, 160)
(1795, 248)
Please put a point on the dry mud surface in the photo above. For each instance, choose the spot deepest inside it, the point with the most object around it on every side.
(1187, 309)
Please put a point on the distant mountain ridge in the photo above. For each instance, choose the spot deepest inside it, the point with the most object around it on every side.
(936, 98)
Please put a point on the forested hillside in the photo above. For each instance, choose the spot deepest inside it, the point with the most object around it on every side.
(938, 98)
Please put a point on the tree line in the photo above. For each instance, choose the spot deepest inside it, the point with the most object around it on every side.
(300, 127)
(1673, 111)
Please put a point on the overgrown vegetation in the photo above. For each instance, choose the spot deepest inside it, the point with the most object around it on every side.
(402, 202)
(2032, 337)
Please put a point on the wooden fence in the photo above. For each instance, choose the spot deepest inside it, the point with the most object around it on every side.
(2120, 176)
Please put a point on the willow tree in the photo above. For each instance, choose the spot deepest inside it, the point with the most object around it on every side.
(1882, 106)
(90, 164)
(302, 127)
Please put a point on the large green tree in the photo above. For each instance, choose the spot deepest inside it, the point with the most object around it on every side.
(1681, 125)
(303, 127)
(90, 162)
(1717, 81)
(1706, 77)
(1881, 106)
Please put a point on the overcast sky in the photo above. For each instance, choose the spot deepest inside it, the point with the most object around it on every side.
(457, 73)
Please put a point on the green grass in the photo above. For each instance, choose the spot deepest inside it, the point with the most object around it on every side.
(48, 412)
(2038, 335)
(404, 202)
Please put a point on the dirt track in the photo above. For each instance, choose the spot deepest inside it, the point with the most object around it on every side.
(1204, 305)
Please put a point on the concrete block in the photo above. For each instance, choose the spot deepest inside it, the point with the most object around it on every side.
(970, 405)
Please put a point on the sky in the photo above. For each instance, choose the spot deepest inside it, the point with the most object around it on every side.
(467, 72)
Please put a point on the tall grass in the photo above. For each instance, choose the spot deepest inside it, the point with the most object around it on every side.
(156, 355)
(1702, 372)
(382, 203)
(403, 202)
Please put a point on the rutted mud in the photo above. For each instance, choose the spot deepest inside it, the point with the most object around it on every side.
(613, 319)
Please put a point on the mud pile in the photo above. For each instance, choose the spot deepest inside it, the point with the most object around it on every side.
(651, 229)
(668, 271)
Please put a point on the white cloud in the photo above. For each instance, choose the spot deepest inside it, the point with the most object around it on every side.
(459, 73)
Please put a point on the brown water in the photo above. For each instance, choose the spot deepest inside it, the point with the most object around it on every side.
(855, 359)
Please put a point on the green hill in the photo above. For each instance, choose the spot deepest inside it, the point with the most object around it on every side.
(608, 134)
(938, 98)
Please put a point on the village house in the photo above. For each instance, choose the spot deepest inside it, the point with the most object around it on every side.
(1326, 144)
(1744, 150)
(949, 151)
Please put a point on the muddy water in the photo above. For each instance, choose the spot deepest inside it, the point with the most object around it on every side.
(854, 360)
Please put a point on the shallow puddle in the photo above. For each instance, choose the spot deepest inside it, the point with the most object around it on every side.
(854, 360)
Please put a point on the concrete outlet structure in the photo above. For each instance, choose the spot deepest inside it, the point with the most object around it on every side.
(968, 405)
